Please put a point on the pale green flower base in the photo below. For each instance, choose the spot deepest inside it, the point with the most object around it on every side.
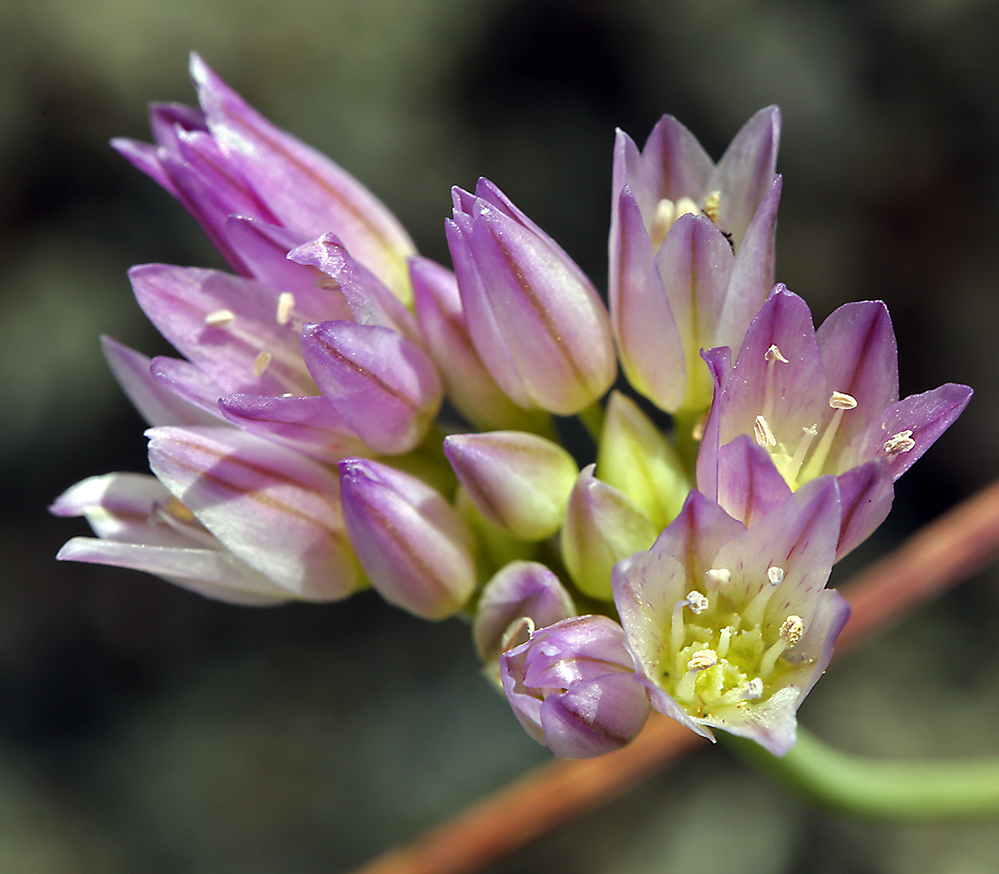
(878, 788)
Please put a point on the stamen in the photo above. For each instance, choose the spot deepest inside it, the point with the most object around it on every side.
(285, 304)
(724, 641)
(662, 221)
(774, 354)
(685, 206)
(753, 614)
(261, 362)
(900, 442)
(711, 205)
(792, 628)
(769, 660)
(702, 659)
(764, 436)
(840, 400)
(807, 436)
(220, 318)
(697, 602)
(717, 577)
(754, 689)
(176, 509)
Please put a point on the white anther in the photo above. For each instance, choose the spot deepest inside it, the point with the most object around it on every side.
(775, 575)
(900, 442)
(774, 354)
(711, 205)
(839, 400)
(761, 430)
(697, 602)
(662, 221)
(219, 318)
(791, 629)
(704, 658)
(261, 362)
(685, 206)
(754, 689)
(285, 304)
(287, 394)
(717, 577)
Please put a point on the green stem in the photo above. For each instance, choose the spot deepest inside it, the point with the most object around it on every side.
(879, 789)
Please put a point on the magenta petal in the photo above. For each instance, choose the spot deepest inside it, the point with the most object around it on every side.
(861, 359)
(751, 486)
(157, 404)
(697, 534)
(866, 496)
(411, 543)
(308, 424)
(572, 686)
(147, 158)
(800, 537)
(535, 319)
(370, 300)
(719, 363)
(384, 386)
(303, 188)
(797, 386)
(276, 510)
(648, 339)
(468, 385)
(522, 589)
(673, 164)
(595, 717)
(264, 249)
(226, 325)
(187, 382)
(745, 172)
(214, 574)
(907, 429)
(752, 274)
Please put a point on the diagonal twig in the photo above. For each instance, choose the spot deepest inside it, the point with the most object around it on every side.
(937, 557)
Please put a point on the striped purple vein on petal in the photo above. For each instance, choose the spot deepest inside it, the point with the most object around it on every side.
(258, 496)
(366, 374)
(541, 312)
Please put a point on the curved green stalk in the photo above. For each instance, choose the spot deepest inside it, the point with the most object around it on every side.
(882, 789)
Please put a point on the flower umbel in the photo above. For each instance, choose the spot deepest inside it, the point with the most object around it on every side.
(346, 413)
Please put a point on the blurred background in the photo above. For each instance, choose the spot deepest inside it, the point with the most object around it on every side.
(144, 729)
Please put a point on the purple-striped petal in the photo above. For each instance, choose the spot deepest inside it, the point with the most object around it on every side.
(229, 326)
(411, 543)
(306, 191)
(156, 403)
(745, 172)
(308, 424)
(522, 590)
(273, 508)
(648, 338)
(383, 385)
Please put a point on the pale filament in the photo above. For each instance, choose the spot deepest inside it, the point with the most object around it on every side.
(840, 402)
(665, 214)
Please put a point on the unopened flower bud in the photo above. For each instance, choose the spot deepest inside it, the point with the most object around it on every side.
(535, 319)
(518, 481)
(602, 526)
(410, 542)
(573, 687)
